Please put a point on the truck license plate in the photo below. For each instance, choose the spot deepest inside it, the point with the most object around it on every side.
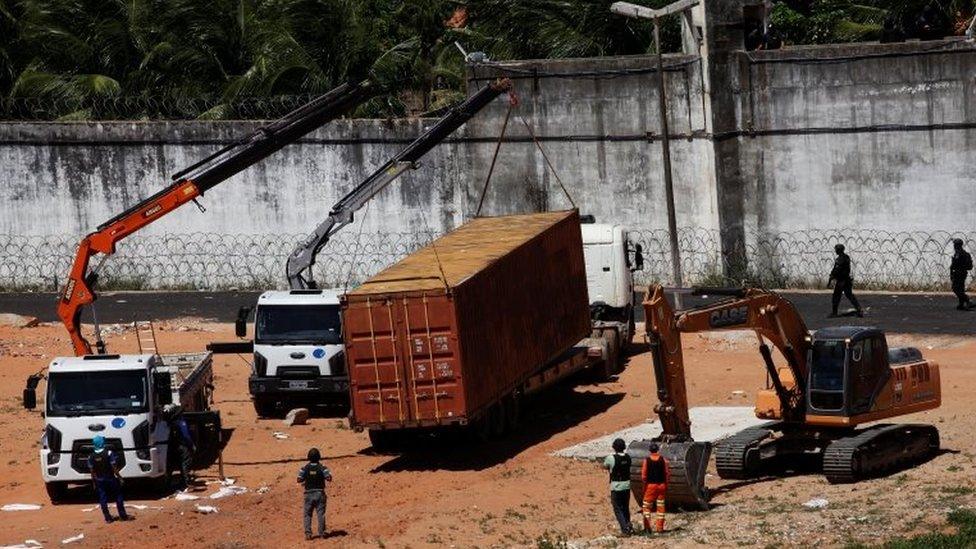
(297, 385)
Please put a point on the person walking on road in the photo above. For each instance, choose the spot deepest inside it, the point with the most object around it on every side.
(618, 463)
(962, 263)
(181, 443)
(103, 464)
(655, 473)
(840, 275)
(313, 475)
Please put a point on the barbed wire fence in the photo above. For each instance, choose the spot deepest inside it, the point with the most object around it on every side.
(212, 261)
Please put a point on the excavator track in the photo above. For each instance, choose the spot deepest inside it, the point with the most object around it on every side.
(878, 450)
(737, 457)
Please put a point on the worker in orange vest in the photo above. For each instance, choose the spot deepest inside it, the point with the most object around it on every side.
(655, 473)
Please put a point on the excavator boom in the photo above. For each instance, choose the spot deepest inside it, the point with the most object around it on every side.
(300, 262)
(189, 184)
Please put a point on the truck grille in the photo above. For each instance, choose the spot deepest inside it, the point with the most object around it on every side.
(298, 372)
(81, 449)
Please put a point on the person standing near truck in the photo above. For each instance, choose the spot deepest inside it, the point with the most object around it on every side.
(655, 473)
(618, 463)
(181, 443)
(103, 464)
(313, 475)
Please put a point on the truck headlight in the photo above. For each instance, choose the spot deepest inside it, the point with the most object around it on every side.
(260, 365)
(52, 439)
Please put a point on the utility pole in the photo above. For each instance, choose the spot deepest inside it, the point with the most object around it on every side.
(632, 10)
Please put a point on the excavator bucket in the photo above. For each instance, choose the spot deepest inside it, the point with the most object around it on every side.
(687, 462)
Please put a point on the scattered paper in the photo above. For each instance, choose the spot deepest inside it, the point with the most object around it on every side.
(228, 491)
(263, 490)
(816, 503)
(228, 481)
(183, 496)
(206, 509)
(72, 539)
(28, 544)
(279, 435)
(137, 506)
(20, 507)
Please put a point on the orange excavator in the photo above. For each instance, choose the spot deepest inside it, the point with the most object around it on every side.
(834, 380)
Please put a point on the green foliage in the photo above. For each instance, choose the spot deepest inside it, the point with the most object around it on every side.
(146, 59)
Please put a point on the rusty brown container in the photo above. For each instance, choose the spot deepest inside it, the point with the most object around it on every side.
(455, 327)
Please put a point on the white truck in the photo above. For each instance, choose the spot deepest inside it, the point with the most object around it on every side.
(120, 397)
(298, 356)
(611, 259)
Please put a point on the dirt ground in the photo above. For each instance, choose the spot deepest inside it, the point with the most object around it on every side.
(508, 493)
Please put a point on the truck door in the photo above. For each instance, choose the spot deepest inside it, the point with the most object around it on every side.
(600, 278)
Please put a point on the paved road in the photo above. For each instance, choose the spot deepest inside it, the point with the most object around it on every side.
(896, 313)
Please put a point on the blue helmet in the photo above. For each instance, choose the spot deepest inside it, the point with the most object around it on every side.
(98, 443)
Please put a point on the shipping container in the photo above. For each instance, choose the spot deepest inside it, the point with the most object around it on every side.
(453, 333)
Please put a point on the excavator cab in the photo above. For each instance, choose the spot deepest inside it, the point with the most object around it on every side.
(848, 367)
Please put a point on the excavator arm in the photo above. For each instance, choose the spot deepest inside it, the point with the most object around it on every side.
(771, 317)
(300, 262)
(189, 184)
(774, 320)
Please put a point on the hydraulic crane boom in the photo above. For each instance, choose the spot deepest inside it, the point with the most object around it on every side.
(189, 184)
(301, 261)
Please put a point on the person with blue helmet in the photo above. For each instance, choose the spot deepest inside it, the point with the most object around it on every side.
(104, 467)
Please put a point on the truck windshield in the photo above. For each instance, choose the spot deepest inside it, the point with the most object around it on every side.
(89, 393)
(308, 324)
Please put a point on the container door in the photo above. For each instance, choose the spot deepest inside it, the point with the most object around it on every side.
(375, 362)
(432, 358)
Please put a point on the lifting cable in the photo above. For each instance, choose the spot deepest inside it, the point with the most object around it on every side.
(355, 251)
(513, 102)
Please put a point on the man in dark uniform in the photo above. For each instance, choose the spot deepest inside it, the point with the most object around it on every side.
(314, 475)
(962, 263)
(843, 283)
(618, 463)
(103, 464)
(181, 443)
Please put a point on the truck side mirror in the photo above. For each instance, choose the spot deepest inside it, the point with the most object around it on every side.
(164, 388)
(30, 392)
(240, 325)
(638, 257)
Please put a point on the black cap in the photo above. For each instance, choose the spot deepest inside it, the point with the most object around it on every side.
(654, 448)
(314, 456)
(619, 445)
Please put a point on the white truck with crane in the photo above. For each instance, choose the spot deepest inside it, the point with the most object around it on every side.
(120, 396)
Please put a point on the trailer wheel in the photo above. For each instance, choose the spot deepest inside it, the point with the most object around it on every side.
(264, 407)
(383, 440)
(513, 412)
(55, 491)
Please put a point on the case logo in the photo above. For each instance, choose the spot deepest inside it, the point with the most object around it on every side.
(729, 317)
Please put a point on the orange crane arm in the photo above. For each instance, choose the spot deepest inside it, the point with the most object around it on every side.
(770, 316)
(189, 184)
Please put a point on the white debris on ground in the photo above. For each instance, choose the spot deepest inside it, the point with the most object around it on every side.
(72, 539)
(816, 503)
(183, 496)
(20, 507)
(296, 416)
(279, 435)
(206, 509)
(263, 490)
(228, 491)
(708, 423)
(28, 544)
(17, 321)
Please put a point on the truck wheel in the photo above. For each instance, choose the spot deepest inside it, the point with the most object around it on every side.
(382, 440)
(55, 491)
(616, 358)
(264, 407)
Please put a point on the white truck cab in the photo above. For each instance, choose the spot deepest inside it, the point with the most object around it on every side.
(611, 259)
(297, 350)
(120, 397)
